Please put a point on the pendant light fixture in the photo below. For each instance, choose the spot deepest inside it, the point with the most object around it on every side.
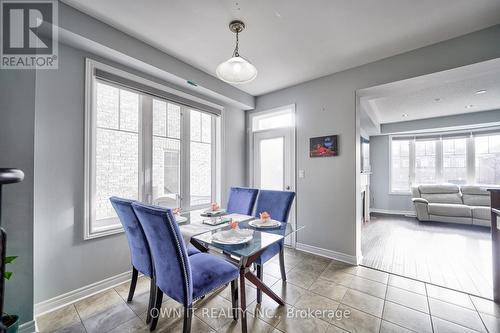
(236, 70)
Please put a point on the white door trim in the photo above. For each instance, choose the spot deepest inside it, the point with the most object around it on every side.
(293, 167)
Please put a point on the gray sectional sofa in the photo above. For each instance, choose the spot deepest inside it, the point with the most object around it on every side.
(451, 203)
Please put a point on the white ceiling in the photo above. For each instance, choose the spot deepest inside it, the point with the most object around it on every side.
(292, 41)
(444, 93)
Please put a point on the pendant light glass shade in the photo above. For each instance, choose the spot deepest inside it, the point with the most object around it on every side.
(236, 70)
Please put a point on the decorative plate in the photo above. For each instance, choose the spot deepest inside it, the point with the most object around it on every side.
(258, 223)
(233, 237)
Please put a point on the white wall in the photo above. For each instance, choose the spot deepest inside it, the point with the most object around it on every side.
(327, 196)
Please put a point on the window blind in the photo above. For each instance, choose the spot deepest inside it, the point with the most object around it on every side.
(144, 88)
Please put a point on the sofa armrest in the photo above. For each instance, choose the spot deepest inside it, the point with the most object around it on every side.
(420, 200)
(421, 208)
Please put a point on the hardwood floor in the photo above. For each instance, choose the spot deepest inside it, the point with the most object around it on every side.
(450, 255)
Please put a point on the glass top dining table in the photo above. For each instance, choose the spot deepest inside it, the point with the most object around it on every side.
(199, 232)
(244, 255)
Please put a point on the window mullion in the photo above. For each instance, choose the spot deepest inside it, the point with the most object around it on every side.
(185, 161)
(213, 159)
(471, 160)
(412, 163)
(146, 144)
(439, 161)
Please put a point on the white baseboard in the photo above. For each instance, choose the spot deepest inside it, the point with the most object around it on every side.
(80, 293)
(28, 327)
(393, 212)
(327, 253)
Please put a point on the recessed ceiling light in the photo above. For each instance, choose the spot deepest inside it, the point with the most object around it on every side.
(469, 106)
(437, 99)
(480, 92)
(404, 115)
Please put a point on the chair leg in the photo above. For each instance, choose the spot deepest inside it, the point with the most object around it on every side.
(282, 263)
(188, 316)
(152, 294)
(260, 276)
(133, 283)
(243, 302)
(234, 298)
(157, 308)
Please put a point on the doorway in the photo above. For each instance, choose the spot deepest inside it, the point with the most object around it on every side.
(432, 147)
(272, 152)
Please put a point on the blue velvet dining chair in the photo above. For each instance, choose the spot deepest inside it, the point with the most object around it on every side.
(138, 246)
(241, 200)
(278, 205)
(181, 277)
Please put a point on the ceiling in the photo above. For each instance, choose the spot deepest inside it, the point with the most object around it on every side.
(465, 89)
(292, 41)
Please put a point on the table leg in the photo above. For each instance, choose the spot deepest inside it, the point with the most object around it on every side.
(198, 245)
(243, 301)
(265, 289)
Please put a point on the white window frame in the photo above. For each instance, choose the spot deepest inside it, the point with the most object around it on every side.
(438, 137)
(278, 110)
(411, 172)
(145, 146)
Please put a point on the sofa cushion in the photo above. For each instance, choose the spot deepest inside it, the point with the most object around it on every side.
(481, 212)
(444, 198)
(476, 200)
(449, 210)
(449, 194)
(434, 189)
(474, 189)
(475, 196)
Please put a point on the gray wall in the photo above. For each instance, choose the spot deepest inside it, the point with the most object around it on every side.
(17, 118)
(481, 118)
(59, 162)
(326, 197)
(379, 184)
(379, 152)
(113, 40)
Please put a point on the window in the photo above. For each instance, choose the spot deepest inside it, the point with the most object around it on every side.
(365, 155)
(488, 159)
(200, 155)
(455, 161)
(468, 158)
(284, 117)
(117, 151)
(166, 178)
(400, 165)
(144, 147)
(425, 162)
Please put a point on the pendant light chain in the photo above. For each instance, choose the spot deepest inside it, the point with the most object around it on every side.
(236, 49)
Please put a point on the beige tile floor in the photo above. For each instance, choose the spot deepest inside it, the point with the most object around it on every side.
(369, 301)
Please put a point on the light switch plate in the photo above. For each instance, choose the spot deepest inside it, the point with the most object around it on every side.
(302, 174)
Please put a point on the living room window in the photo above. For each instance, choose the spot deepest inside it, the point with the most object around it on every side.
(462, 158)
(455, 160)
(488, 159)
(425, 162)
(146, 145)
(400, 165)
